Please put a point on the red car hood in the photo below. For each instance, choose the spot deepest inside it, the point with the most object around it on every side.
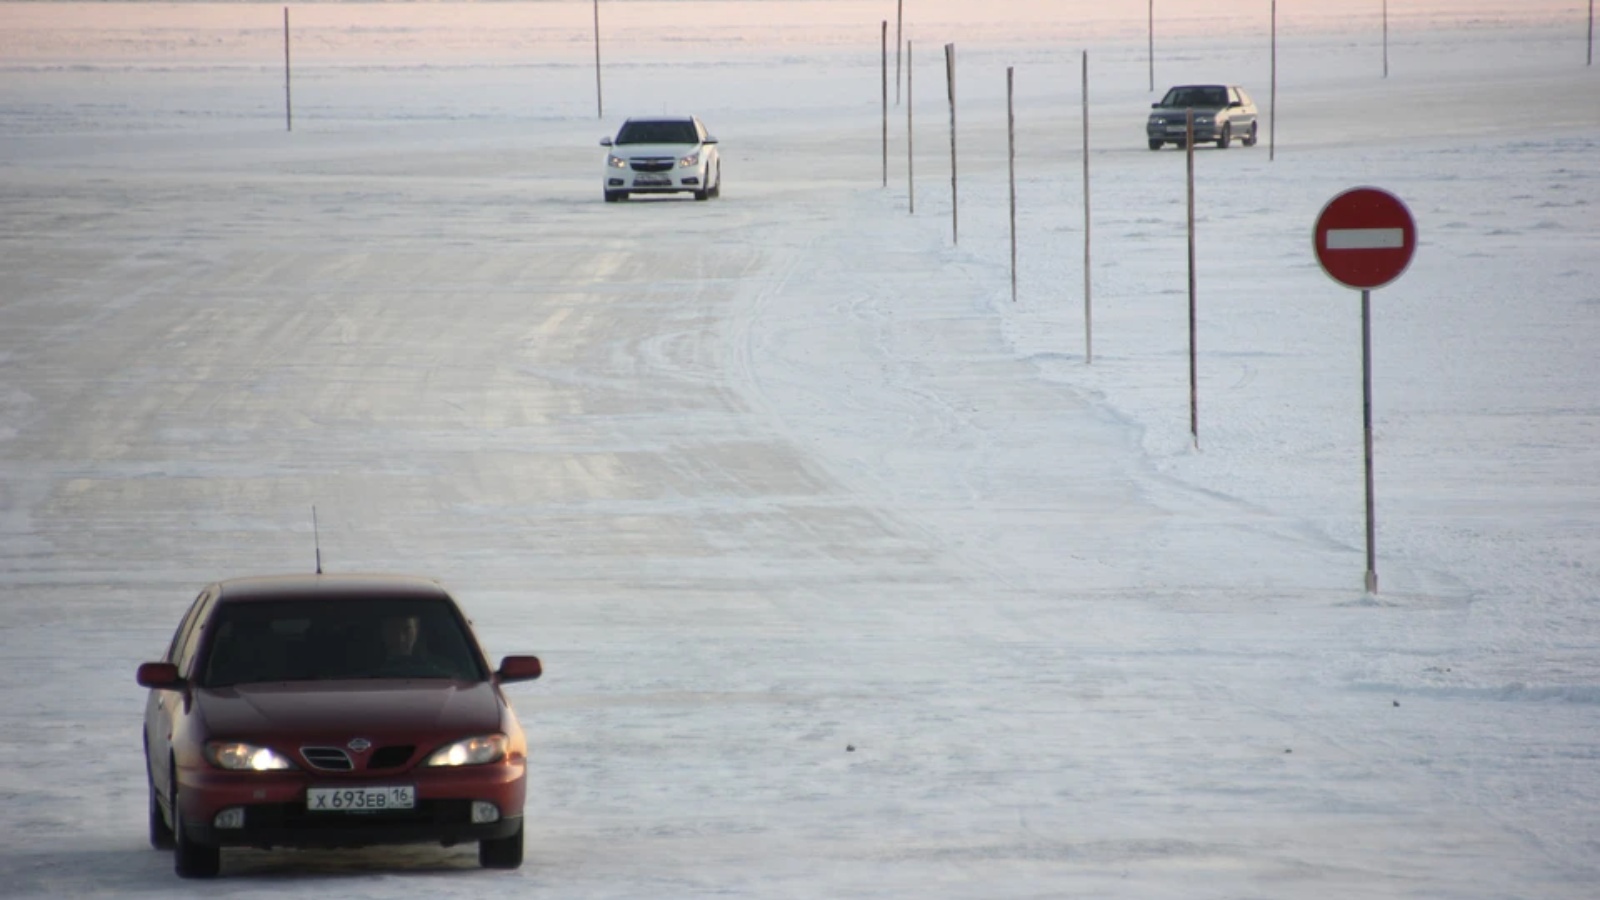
(349, 707)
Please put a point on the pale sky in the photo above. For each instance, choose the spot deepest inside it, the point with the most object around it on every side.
(247, 32)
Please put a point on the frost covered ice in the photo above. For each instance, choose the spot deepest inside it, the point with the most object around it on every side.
(769, 479)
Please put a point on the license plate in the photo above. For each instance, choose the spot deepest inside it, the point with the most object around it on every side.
(651, 181)
(361, 799)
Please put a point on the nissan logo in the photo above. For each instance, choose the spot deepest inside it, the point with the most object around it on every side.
(359, 745)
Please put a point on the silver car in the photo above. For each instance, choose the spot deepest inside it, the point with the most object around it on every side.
(662, 155)
(1222, 112)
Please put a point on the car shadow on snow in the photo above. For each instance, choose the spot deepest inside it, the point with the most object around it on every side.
(137, 870)
(295, 864)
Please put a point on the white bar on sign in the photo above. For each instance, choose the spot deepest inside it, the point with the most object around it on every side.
(1366, 238)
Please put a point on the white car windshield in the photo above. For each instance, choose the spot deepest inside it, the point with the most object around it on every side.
(658, 133)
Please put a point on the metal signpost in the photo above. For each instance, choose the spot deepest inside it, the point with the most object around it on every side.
(1364, 238)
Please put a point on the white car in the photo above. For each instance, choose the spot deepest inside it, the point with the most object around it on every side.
(662, 155)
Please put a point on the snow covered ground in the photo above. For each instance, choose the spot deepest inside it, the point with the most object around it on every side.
(852, 576)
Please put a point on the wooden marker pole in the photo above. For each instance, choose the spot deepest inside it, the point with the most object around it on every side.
(950, 88)
(1151, 51)
(1088, 330)
(1194, 390)
(599, 97)
(1386, 38)
(911, 159)
(288, 101)
(1011, 169)
(899, 29)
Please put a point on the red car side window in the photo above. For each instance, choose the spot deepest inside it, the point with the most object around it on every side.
(192, 629)
(174, 648)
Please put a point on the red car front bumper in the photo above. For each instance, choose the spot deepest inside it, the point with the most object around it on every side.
(275, 812)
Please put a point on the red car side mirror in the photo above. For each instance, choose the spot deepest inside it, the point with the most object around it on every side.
(519, 668)
(161, 676)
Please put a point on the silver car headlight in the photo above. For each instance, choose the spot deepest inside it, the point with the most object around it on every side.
(238, 756)
(474, 751)
(692, 159)
(616, 162)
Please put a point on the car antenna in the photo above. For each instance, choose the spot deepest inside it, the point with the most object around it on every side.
(316, 538)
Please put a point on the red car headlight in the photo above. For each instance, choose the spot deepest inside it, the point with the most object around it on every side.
(473, 751)
(241, 757)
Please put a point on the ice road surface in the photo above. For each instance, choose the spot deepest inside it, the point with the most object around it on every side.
(786, 473)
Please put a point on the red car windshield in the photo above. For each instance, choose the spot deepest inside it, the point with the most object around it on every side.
(311, 640)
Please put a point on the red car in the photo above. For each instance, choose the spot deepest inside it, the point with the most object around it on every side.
(331, 711)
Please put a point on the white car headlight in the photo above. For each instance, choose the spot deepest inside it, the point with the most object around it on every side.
(616, 162)
(474, 751)
(692, 159)
(241, 757)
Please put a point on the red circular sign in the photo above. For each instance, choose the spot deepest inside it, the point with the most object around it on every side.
(1364, 238)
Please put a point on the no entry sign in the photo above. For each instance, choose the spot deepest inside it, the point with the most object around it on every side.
(1364, 238)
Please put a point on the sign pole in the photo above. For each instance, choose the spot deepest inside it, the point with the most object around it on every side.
(1365, 238)
(1366, 422)
(883, 42)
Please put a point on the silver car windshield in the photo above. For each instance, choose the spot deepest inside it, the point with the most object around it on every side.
(1182, 98)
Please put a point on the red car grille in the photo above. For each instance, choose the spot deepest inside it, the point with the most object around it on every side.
(337, 759)
(328, 759)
